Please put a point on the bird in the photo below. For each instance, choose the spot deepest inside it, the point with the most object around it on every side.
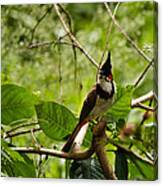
(97, 101)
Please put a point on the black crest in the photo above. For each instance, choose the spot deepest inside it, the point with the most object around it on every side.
(106, 67)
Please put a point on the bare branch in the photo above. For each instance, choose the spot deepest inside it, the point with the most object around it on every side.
(28, 124)
(71, 30)
(130, 152)
(10, 135)
(134, 45)
(36, 45)
(146, 97)
(38, 22)
(73, 38)
(109, 32)
(75, 156)
(140, 105)
(143, 74)
(138, 102)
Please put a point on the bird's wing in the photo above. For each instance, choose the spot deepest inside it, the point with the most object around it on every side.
(88, 104)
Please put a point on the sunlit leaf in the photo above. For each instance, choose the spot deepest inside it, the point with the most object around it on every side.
(121, 106)
(17, 104)
(16, 164)
(55, 120)
(140, 169)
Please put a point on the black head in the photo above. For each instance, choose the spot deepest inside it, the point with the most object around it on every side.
(105, 70)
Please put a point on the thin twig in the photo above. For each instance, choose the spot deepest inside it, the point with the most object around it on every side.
(138, 102)
(130, 152)
(109, 32)
(146, 97)
(21, 133)
(143, 74)
(71, 30)
(147, 108)
(75, 156)
(21, 126)
(145, 115)
(36, 45)
(38, 22)
(73, 38)
(126, 35)
(60, 72)
(34, 139)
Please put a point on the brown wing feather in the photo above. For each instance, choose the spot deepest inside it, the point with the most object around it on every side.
(88, 104)
(86, 109)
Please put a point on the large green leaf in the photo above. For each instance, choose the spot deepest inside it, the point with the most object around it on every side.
(17, 104)
(55, 120)
(121, 165)
(140, 169)
(86, 169)
(16, 164)
(121, 106)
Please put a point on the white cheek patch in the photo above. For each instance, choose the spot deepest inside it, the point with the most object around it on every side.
(106, 86)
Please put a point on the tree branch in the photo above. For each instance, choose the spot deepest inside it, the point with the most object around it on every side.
(109, 32)
(36, 45)
(38, 22)
(134, 45)
(143, 74)
(21, 126)
(138, 102)
(129, 152)
(99, 142)
(10, 135)
(140, 105)
(146, 97)
(75, 156)
(73, 38)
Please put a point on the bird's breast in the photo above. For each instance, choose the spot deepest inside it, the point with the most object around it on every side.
(101, 106)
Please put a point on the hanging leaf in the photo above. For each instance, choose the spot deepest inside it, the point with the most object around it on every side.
(55, 120)
(140, 169)
(121, 106)
(121, 165)
(15, 164)
(86, 169)
(17, 104)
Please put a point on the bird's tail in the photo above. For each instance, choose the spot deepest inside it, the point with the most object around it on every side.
(67, 146)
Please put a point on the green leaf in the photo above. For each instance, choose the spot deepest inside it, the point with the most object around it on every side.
(121, 106)
(86, 169)
(141, 170)
(55, 120)
(121, 165)
(17, 104)
(16, 164)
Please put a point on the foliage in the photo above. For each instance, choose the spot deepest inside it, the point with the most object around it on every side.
(86, 169)
(43, 88)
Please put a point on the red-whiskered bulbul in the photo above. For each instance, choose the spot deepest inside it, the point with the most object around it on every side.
(98, 100)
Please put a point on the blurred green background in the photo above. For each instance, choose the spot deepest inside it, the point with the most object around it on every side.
(52, 72)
